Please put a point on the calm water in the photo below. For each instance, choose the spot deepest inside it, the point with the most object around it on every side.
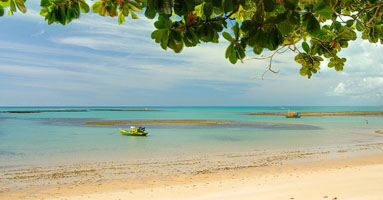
(34, 139)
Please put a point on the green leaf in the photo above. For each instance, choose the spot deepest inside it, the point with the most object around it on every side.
(190, 38)
(331, 3)
(217, 3)
(240, 52)
(303, 71)
(4, 3)
(227, 36)
(12, 7)
(290, 4)
(125, 10)
(161, 36)
(175, 41)
(326, 12)
(96, 6)
(300, 58)
(228, 6)
(359, 26)
(305, 47)
(257, 50)
(84, 7)
(163, 22)
(331, 64)
(259, 39)
(150, 11)
(275, 39)
(235, 29)
(208, 9)
(285, 27)
(51, 18)
(347, 33)
(185, 7)
(294, 18)
(45, 3)
(62, 15)
(312, 26)
(134, 6)
(20, 5)
(228, 50)
(233, 55)
(322, 9)
(133, 15)
(350, 22)
(1, 11)
(166, 6)
(269, 5)
(121, 19)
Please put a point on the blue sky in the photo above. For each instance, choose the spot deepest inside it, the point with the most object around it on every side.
(95, 62)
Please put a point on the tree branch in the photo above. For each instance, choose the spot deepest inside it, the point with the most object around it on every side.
(376, 13)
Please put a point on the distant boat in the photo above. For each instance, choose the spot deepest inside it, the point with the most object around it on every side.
(293, 115)
(134, 131)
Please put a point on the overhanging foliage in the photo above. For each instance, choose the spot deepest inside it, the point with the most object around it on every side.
(322, 28)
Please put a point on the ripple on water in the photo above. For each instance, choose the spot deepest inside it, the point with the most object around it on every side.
(10, 153)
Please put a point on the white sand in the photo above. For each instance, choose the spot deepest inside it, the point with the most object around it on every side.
(363, 182)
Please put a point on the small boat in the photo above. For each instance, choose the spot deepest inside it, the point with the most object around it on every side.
(140, 131)
(293, 115)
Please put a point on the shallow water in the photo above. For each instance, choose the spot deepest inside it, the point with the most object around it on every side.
(36, 139)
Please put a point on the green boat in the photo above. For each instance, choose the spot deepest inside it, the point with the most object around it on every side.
(134, 131)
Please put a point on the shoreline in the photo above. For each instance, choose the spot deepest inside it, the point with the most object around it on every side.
(192, 175)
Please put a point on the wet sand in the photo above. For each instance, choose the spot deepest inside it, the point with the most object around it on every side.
(138, 122)
(322, 114)
(346, 172)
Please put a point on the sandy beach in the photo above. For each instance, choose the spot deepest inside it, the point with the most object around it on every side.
(344, 173)
(342, 182)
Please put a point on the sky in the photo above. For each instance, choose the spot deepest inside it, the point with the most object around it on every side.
(93, 61)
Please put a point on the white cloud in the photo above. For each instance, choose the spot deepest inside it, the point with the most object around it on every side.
(369, 87)
(339, 90)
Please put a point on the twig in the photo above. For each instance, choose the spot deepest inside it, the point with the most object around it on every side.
(320, 42)
(269, 68)
(234, 11)
(376, 13)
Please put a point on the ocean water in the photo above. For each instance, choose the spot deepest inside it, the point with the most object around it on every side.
(37, 139)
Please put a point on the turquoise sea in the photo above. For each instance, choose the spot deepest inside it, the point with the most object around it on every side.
(39, 139)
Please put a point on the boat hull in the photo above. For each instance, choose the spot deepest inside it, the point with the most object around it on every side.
(293, 116)
(130, 133)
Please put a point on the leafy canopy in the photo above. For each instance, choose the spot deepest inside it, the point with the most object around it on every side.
(313, 29)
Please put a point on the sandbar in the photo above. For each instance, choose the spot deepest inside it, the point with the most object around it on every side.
(139, 122)
(129, 110)
(322, 114)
